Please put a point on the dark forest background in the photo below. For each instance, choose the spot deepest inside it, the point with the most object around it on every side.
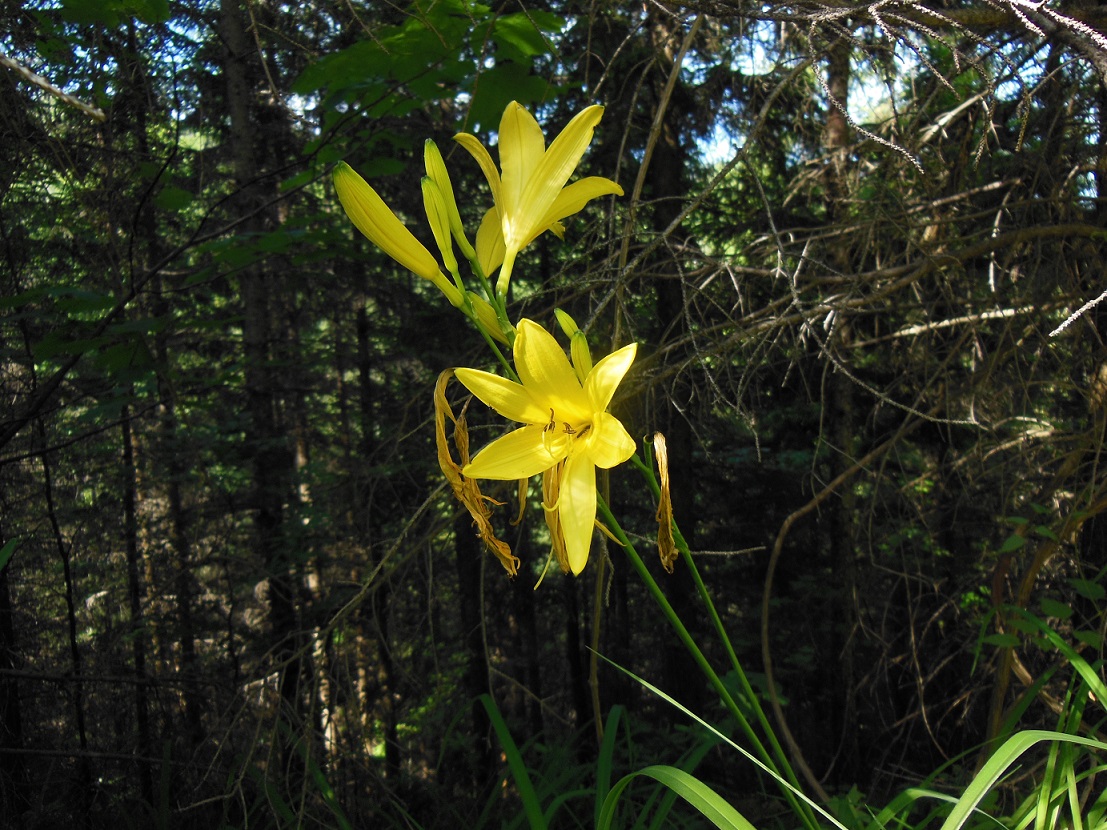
(234, 589)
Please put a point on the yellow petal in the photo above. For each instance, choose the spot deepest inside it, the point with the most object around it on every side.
(545, 372)
(522, 146)
(574, 197)
(490, 242)
(510, 399)
(577, 509)
(522, 453)
(608, 443)
(480, 153)
(605, 377)
(553, 171)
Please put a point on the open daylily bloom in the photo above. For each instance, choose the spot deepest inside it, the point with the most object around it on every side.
(373, 218)
(530, 193)
(567, 432)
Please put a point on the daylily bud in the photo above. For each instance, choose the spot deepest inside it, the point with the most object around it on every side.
(488, 318)
(436, 170)
(436, 209)
(582, 358)
(567, 323)
(373, 218)
(578, 344)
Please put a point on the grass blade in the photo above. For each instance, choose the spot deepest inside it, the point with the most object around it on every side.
(515, 762)
(998, 764)
(605, 761)
(709, 803)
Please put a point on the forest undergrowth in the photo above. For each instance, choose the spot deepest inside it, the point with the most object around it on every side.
(549, 414)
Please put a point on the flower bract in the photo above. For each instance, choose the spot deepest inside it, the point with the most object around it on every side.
(567, 432)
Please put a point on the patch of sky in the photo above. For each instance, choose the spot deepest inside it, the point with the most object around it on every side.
(869, 94)
(760, 56)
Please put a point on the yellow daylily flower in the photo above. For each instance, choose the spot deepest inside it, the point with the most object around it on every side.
(567, 432)
(370, 215)
(530, 193)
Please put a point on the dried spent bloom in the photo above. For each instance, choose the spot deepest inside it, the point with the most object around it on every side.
(666, 544)
(465, 489)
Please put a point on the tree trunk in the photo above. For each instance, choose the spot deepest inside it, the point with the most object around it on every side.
(267, 445)
(841, 426)
(578, 677)
(167, 449)
(522, 596)
(134, 601)
(468, 554)
(14, 792)
(380, 597)
(84, 769)
(182, 564)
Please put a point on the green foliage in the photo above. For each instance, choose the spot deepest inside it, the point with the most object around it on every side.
(545, 786)
(7, 551)
(440, 45)
(691, 789)
(114, 12)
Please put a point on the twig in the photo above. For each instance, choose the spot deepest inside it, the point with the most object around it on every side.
(42, 83)
(1078, 313)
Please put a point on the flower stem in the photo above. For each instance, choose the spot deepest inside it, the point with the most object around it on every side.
(770, 759)
(720, 628)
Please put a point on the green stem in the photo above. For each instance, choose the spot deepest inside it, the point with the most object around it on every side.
(475, 320)
(499, 355)
(701, 661)
(497, 302)
(720, 628)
